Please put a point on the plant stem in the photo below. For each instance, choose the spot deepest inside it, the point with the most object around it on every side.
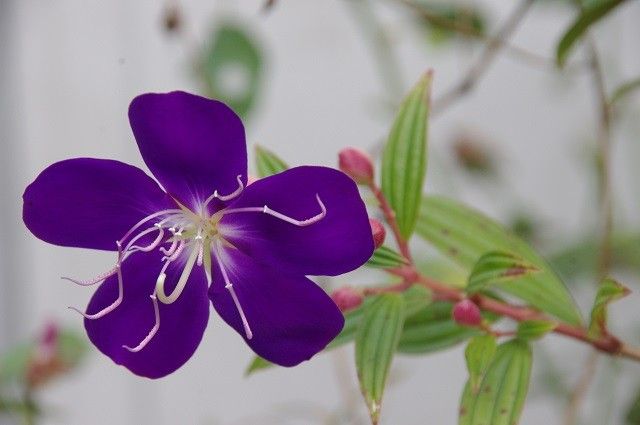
(491, 50)
(390, 218)
(606, 343)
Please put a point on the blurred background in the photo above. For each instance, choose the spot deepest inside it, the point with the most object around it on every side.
(310, 78)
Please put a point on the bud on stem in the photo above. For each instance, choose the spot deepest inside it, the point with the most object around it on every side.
(467, 313)
(357, 165)
(378, 232)
(347, 298)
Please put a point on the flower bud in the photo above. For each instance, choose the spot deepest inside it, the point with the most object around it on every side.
(356, 164)
(467, 313)
(378, 232)
(346, 298)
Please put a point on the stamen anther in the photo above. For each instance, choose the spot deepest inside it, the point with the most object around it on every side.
(229, 286)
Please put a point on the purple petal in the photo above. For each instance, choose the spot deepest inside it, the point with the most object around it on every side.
(90, 203)
(182, 323)
(192, 145)
(291, 318)
(338, 243)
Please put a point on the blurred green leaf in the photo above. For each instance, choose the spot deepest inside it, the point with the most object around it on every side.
(608, 291)
(633, 411)
(464, 235)
(404, 160)
(70, 351)
(624, 90)
(376, 343)
(386, 258)
(534, 329)
(498, 268)
(445, 21)
(478, 355)
(503, 389)
(590, 14)
(257, 364)
(432, 329)
(231, 67)
(268, 163)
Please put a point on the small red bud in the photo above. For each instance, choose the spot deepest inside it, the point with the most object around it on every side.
(346, 298)
(378, 232)
(356, 164)
(467, 313)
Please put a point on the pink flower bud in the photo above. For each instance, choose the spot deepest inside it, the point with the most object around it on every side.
(356, 164)
(346, 298)
(378, 232)
(467, 313)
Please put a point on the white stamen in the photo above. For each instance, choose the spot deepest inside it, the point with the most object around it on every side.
(153, 245)
(147, 218)
(101, 277)
(225, 198)
(276, 214)
(171, 298)
(153, 330)
(110, 307)
(229, 286)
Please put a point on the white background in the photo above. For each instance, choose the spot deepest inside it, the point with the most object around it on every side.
(68, 70)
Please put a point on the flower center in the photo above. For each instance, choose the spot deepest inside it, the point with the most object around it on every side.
(180, 234)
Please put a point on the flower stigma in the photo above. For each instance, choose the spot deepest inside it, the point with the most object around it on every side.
(189, 236)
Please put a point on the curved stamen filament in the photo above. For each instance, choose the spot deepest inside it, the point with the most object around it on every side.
(172, 248)
(146, 219)
(101, 277)
(153, 330)
(229, 286)
(276, 214)
(182, 282)
(110, 307)
(225, 198)
(153, 245)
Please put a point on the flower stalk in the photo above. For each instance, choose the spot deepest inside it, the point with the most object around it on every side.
(410, 275)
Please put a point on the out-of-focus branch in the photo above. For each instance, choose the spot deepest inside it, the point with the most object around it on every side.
(466, 30)
(490, 52)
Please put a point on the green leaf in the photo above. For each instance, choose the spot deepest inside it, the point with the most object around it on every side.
(268, 163)
(608, 291)
(404, 160)
(503, 389)
(624, 90)
(231, 68)
(497, 268)
(464, 235)
(257, 364)
(478, 355)
(633, 411)
(432, 329)
(376, 342)
(445, 21)
(534, 329)
(386, 258)
(591, 14)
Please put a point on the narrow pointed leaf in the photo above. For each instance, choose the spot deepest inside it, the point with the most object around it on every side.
(608, 291)
(386, 258)
(464, 235)
(503, 389)
(478, 355)
(376, 342)
(404, 160)
(534, 329)
(498, 268)
(625, 89)
(268, 163)
(589, 15)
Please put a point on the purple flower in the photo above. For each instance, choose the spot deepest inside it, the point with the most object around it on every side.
(203, 236)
